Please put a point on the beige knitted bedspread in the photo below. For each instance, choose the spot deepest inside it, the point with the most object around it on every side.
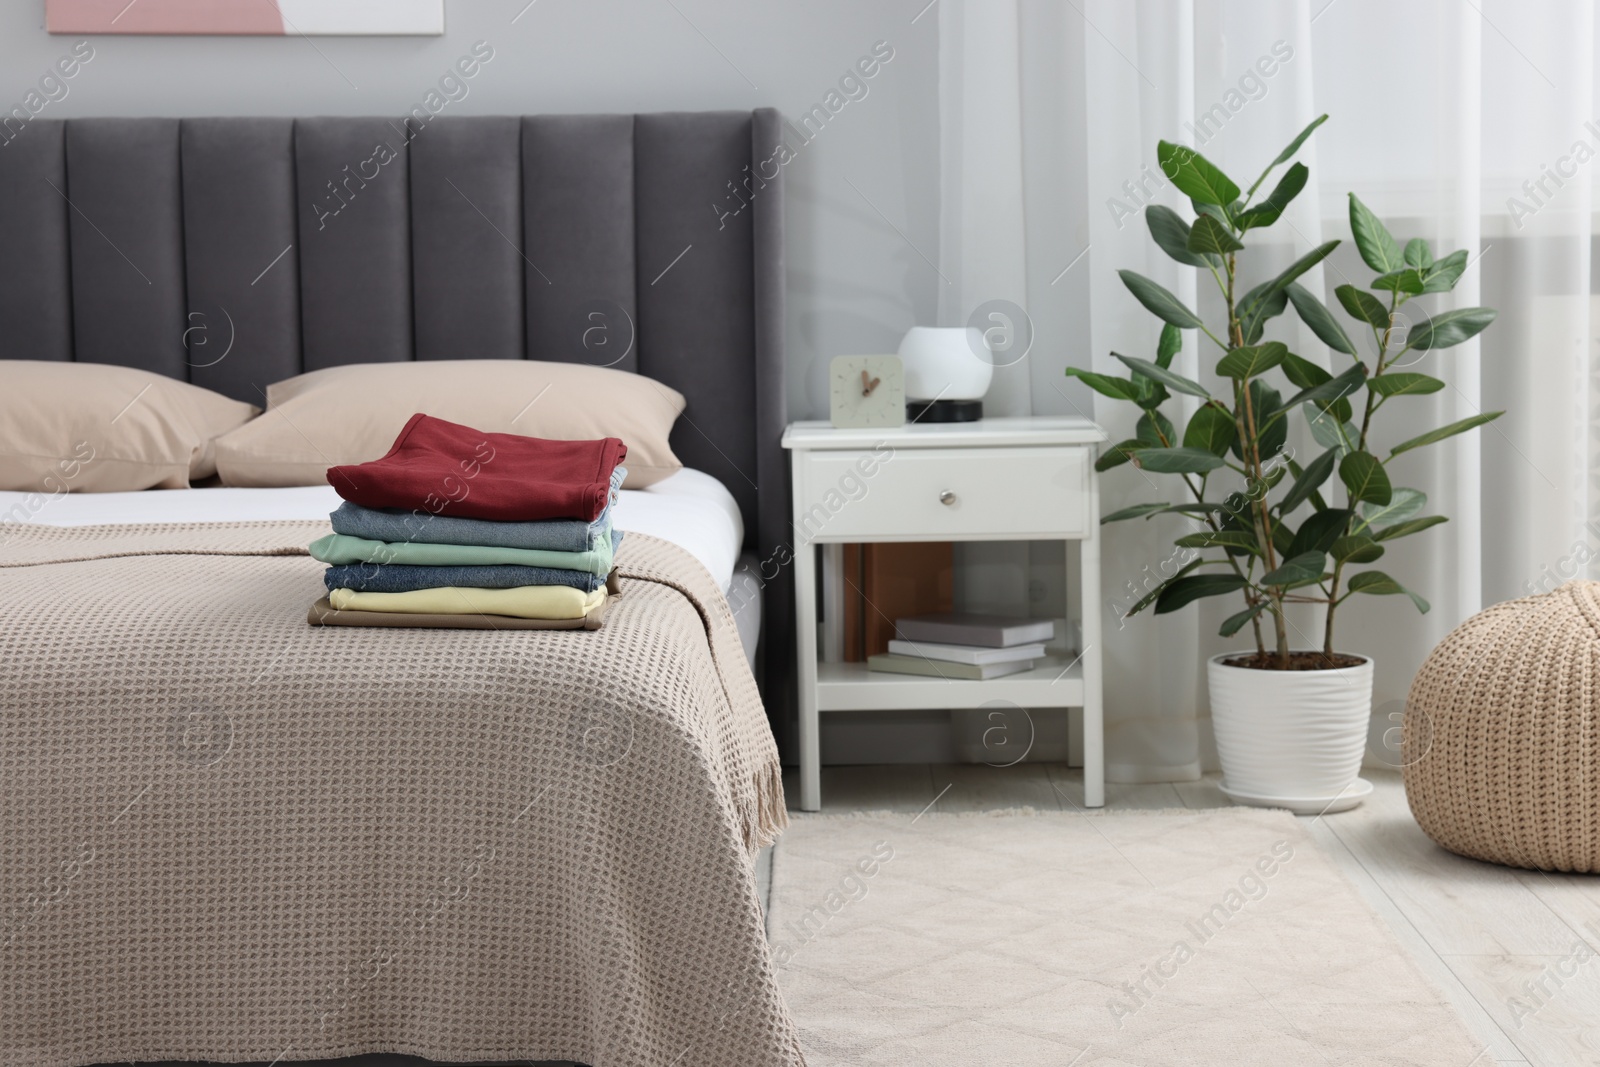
(228, 835)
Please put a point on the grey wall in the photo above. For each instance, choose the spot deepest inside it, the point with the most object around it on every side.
(854, 283)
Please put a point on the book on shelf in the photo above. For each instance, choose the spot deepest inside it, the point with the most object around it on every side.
(965, 628)
(975, 672)
(885, 581)
(976, 655)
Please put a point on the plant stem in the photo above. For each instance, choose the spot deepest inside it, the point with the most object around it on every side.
(1245, 427)
(1361, 445)
(1250, 446)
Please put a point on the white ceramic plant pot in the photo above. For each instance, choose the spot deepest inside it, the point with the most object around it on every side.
(1291, 739)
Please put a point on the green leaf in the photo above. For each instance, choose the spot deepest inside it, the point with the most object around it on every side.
(1234, 623)
(1444, 274)
(1303, 264)
(1137, 511)
(1294, 146)
(1325, 427)
(1176, 460)
(1268, 211)
(1273, 433)
(1210, 237)
(1258, 305)
(1442, 432)
(1408, 280)
(1194, 175)
(1252, 360)
(1219, 539)
(1105, 385)
(1275, 301)
(1197, 508)
(1322, 395)
(1320, 530)
(1171, 235)
(1159, 301)
(1184, 591)
(1364, 478)
(1156, 372)
(1316, 315)
(1404, 384)
(1170, 344)
(1449, 328)
(1289, 274)
(1212, 429)
(1146, 600)
(1117, 454)
(1417, 254)
(1403, 504)
(1305, 567)
(1378, 583)
(1406, 529)
(1152, 428)
(1151, 394)
(1317, 503)
(1310, 481)
(1364, 306)
(1373, 240)
(1356, 548)
(1302, 373)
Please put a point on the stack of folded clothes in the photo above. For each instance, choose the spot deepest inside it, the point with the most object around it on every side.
(465, 529)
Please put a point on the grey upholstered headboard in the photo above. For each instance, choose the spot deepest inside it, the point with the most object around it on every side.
(653, 243)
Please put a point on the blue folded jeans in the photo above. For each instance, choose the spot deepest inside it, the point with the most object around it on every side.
(398, 527)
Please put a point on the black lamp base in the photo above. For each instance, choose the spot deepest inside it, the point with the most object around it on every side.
(944, 410)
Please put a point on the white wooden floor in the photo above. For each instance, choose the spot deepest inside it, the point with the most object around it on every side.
(1516, 952)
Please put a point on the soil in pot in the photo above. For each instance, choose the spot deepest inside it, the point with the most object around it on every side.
(1298, 661)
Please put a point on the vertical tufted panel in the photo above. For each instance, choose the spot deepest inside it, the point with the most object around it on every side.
(696, 287)
(466, 235)
(35, 283)
(578, 206)
(353, 193)
(772, 409)
(126, 240)
(243, 313)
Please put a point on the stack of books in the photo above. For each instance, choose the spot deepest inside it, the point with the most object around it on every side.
(964, 646)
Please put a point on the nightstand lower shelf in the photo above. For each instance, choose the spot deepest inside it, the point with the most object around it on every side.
(1056, 682)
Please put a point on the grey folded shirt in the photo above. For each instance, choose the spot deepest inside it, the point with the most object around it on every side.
(405, 578)
(396, 526)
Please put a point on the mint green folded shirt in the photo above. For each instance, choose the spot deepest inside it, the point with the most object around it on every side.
(343, 548)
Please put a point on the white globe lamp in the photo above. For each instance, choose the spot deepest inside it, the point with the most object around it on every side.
(947, 372)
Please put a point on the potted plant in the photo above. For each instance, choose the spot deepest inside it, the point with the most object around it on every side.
(1291, 722)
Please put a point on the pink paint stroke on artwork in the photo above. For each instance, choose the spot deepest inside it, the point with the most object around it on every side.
(164, 16)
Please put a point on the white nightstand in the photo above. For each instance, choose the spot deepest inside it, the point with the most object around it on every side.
(1000, 479)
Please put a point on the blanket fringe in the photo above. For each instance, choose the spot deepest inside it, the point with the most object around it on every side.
(765, 815)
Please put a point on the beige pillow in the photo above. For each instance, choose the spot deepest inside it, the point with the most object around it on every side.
(352, 414)
(96, 428)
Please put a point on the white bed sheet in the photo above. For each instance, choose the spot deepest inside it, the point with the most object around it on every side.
(690, 508)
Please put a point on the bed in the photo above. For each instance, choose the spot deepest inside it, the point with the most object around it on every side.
(229, 836)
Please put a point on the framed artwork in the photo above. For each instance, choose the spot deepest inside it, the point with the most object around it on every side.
(255, 17)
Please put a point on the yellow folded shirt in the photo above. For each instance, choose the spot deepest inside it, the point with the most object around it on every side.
(523, 602)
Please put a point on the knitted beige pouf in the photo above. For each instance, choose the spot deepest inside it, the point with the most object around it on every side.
(1502, 734)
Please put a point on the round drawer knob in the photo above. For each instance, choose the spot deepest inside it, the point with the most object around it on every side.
(947, 498)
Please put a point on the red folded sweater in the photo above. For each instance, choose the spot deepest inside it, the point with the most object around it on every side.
(446, 469)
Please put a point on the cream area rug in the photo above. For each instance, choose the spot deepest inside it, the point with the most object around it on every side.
(1150, 939)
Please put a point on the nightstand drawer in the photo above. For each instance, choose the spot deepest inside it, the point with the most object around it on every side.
(934, 494)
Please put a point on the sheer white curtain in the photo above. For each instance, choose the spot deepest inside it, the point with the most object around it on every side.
(1471, 123)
